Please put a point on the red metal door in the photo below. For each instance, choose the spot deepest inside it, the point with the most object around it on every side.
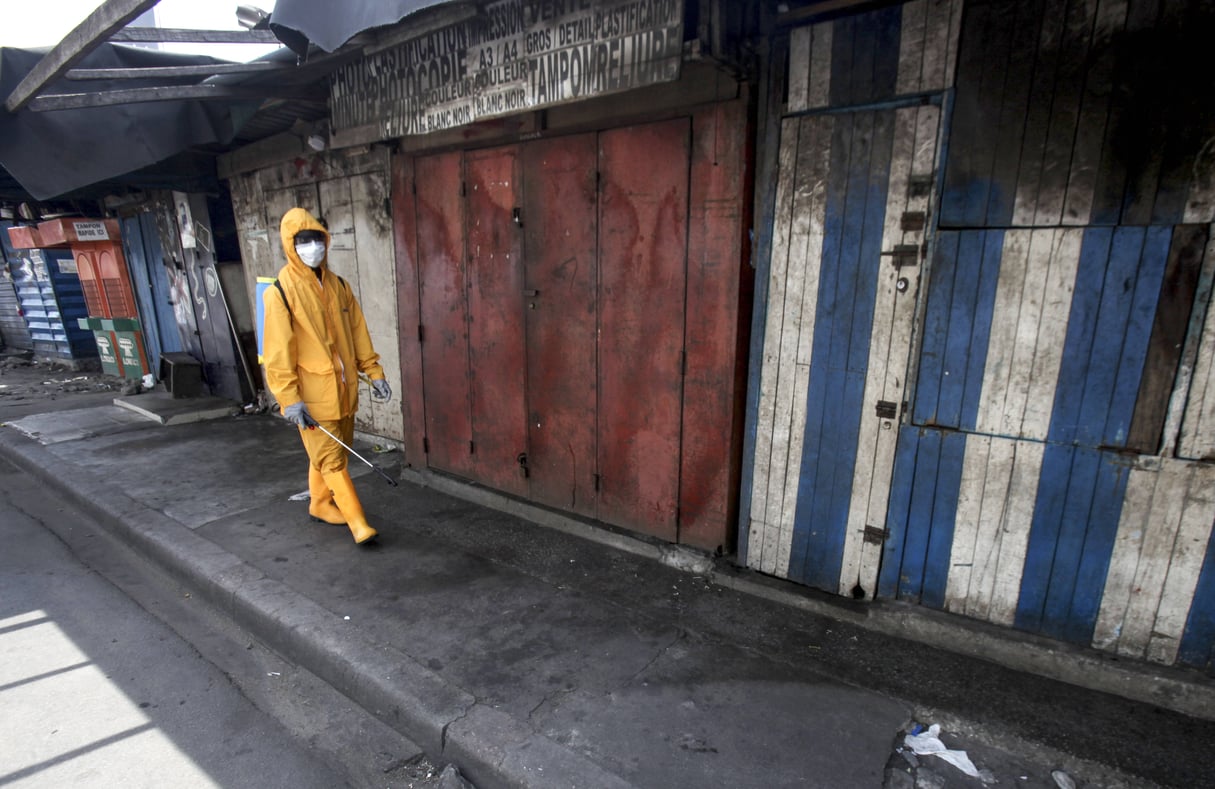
(496, 356)
(559, 221)
(643, 220)
(552, 299)
(443, 306)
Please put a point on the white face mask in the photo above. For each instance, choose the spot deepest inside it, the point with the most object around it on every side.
(311, 252)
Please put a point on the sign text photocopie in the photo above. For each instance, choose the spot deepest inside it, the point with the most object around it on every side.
(515, 55)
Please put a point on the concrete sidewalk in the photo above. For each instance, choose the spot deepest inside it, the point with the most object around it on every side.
(533, 650)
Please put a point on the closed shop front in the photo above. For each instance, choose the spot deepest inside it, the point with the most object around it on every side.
(577, 321)
(986, 357)
(564, 190)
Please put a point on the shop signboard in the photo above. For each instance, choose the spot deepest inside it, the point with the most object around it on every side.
(514, 56)
(91, 231)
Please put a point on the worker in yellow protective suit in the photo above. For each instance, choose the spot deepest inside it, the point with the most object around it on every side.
(315, 345)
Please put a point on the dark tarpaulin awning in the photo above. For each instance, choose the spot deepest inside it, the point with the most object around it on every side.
(52, 153)
(329, 25)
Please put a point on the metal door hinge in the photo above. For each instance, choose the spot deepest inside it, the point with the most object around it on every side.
(919, 185)
(875, 535)
(913, 221)
(521, 459)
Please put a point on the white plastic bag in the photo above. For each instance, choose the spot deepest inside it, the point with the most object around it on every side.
(929, 744)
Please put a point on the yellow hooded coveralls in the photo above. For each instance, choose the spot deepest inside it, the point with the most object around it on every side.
(314, 350)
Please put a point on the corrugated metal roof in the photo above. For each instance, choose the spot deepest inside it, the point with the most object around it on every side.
(58, 152)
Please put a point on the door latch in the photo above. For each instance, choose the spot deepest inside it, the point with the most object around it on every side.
(876, 535)
(885, 409)
(903, 255)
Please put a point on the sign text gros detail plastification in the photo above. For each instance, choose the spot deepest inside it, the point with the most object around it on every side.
(513, 56)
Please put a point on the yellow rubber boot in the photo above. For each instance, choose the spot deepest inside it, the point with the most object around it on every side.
(320, 499)
(348, 502)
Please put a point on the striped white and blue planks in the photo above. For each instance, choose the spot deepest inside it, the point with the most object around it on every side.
(829, 219)
(1163, 535)
(997, 491)
(1014, 518)
(899, 51)
(1064, 116)
(1037, 274)
(845, 183)
(1050, 473)
(1196, 421)
(850, 267)
(1049, 529)
(914, 157)
(793, 300)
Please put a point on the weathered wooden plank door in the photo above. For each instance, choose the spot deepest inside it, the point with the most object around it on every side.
(442, 296)
(221, 370)
(1027, 488)
(851, 214)
(496, 359)
(141, 244)
(561, 224)
(552, 282)
(360, 244)
(643, 207)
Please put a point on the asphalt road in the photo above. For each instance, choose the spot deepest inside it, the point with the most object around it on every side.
(98, 691)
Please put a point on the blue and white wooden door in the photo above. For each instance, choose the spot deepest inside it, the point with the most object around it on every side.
(1035, 484)
(141, 244)
(852, 209)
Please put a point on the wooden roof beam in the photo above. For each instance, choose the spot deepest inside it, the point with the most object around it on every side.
(96, 28)
(817, 8)
(178, 35)
(76, 101)
(169, 72)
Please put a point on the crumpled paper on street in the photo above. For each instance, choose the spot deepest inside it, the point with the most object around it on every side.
(929, 744)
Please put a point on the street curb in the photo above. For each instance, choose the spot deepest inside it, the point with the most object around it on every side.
(491, 748)
(1176, 689)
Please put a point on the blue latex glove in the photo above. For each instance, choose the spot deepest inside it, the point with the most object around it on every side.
(381, 390)
(298, 413)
